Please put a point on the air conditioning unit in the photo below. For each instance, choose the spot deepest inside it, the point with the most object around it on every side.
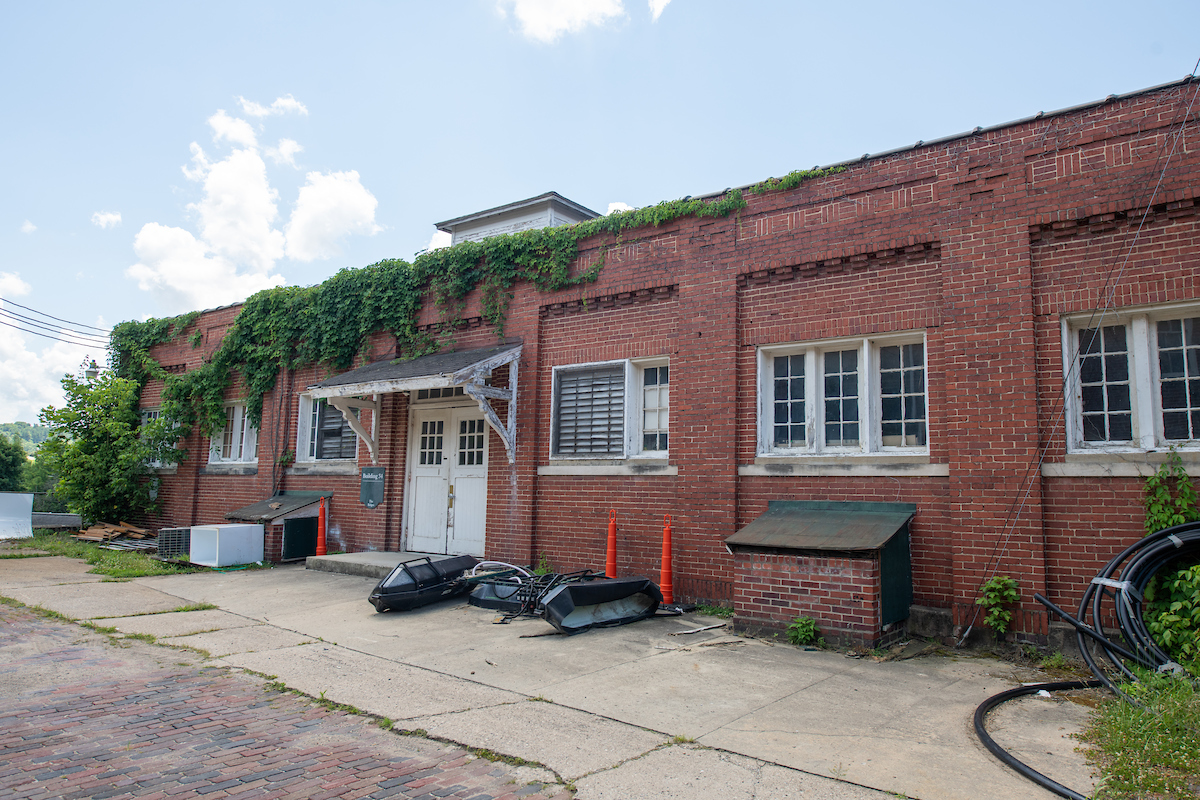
(174, 544)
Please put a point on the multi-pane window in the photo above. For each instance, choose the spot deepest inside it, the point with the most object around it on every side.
(326, 434)
(431, 443)
(470, 442)
(855, 396)
(237, 441)
(1105, 399)
(788, 406)
(435, 394)
(1136, 381)
(655, 408)
(841, 398)
(149, 415)
(1179, 377)
(902, 421)
(611, 410)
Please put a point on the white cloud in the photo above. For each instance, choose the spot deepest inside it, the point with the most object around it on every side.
(282, 105)
(29, 379)
(329, 207)
(285, 152)
(546, 20)
(28, 227)
(11, 285)
(439, 240)
(618, 206)
(656, 8)
(183, 275)
(237, 244)
(238, 209)
(232, 129)
(106, 219)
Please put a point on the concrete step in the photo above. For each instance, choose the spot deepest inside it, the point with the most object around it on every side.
(375, 564)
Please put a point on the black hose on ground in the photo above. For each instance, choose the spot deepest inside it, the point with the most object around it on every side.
(1008, 758)
(1136, 565)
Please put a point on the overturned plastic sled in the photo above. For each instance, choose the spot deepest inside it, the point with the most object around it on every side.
(576, 607)
(421, 581)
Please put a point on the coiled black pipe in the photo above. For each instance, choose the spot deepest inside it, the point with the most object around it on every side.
(1136, 565)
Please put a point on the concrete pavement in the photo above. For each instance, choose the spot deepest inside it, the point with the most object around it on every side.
(645, 710)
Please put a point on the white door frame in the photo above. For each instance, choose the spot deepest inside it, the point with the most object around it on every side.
(452, 410)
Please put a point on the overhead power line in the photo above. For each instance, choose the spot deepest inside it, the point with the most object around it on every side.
(105, 331)
(80, 343)
(21, 319)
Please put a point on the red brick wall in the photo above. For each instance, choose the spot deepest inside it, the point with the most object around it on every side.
(840, 593)
(981, 243)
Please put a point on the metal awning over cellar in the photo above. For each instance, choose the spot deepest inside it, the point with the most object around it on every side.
(469, 369)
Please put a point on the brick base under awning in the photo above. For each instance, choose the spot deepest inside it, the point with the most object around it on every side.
(840, 591)
(846, 565)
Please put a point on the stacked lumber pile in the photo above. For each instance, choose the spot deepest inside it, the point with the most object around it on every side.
(119, 536)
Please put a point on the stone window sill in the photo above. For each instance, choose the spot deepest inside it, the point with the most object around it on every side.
(856, 465)
(330, 467)
(612, 466)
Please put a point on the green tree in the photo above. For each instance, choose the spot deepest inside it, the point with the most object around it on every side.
(100, 450)
(12, 465)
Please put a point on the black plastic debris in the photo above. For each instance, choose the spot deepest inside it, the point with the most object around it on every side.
(421, 581)
(576, 607)
(506, 597)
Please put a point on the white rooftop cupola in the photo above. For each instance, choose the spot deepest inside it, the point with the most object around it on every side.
(547, 210)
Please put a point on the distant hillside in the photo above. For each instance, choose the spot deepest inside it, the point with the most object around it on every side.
(30, 436)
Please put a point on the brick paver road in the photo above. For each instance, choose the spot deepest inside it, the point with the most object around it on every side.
(83, 718)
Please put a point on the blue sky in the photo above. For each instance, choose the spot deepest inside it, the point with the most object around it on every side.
(163, 157)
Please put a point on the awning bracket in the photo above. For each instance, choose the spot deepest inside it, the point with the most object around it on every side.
(346, 405)
(475, 388)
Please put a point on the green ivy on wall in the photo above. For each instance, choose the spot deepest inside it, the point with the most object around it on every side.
(289, 326)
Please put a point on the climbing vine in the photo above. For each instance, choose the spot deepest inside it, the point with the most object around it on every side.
(285, 327)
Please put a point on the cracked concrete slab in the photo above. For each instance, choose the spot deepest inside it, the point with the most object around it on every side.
(87, 600)
(177, 623)
(44, 571)
(570, 742)
(692, 772)
(372, 684)
(253, 638)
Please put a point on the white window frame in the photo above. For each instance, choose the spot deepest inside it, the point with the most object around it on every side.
(633, 409)
(869, 400)
(147, 414)
(243, 438)
(1141, 340)
(306, 439)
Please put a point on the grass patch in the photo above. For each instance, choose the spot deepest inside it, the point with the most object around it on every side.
(1148, 752)
(118, 564)
(24, 555)
(681, 739)
(724, 612)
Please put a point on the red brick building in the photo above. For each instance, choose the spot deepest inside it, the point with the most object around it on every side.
(899, 332)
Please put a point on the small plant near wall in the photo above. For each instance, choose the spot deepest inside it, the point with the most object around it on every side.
(998, 592)
(1171, 607)
(1169, 496)
(803, 630)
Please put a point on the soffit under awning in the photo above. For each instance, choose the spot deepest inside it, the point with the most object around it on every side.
(433, 371)
(824, 525)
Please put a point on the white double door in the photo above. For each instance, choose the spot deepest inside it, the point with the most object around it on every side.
(447, 509)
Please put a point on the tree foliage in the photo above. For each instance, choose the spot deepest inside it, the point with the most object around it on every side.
(12, 465)
(100, 450)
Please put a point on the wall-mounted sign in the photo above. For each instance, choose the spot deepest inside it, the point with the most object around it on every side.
(370, 491)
